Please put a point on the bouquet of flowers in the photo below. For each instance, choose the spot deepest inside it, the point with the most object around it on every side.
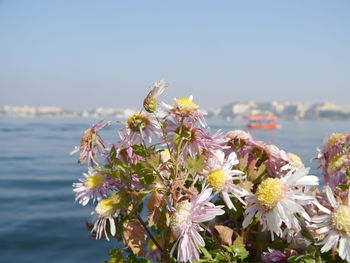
(170, 190)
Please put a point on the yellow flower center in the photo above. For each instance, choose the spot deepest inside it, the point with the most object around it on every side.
(137, 122)
(182, 215)
(269, 193)
(341, 220)
(94, 181)
(217, 179)
(186, 104)
(295, 160)
(337, 163)
(335, 138)
(106, 207)
(165, 155)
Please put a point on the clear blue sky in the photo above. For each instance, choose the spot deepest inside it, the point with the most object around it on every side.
(83, 54)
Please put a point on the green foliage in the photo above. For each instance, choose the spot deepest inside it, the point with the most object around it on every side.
(144, 172)
(302, 259)
(234, 253)
(194, 165)
(117, 257)
(140, 150)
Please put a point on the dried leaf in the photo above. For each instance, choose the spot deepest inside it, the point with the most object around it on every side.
(155, 203)
(225, 234)
(134, 235)
(246, 185)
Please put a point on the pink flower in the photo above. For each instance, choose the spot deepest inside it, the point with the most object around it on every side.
(94, 186)
(151, 101)
(184, 223)
(141, 126)
(194, 139)
(334, 158)
(186, 109)
(91, 144)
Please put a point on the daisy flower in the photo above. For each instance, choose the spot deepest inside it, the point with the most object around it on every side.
(94, 186)
(334, 158)
(150, 102)
(335, 225)
(220, 177)
(125, 144)
(184, 224)
(105, 211)
(142, 126)
(194, 139)
(276, 200)
(91, 144)
(186, 108)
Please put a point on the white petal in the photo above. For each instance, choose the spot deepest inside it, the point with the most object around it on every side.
(307, 180)
(323, 230)
(320, 219)
(331, 241)
(112, 226)
(330, 196)
(321, 207)
(342, 249)
(249, 215)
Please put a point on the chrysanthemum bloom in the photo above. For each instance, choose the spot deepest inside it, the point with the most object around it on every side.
(277, 160)
(94, 186)
(150, 102)
(276, 200)
(184, 224)
(125, 146)
(187, 109)
(220, 177)
(239, 142)
(105, 211)
(334, 158)
(335, 225)
(91, 144)
(142, 126)
(194, 139)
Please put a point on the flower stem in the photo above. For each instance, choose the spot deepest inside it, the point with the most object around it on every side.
(149, 233)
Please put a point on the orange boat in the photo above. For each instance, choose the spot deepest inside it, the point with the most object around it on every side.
(262, 122)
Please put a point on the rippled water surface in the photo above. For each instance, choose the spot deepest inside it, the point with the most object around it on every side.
(39, 221)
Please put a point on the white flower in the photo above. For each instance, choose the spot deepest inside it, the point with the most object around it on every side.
(335, 225)
(105, 211)
(220, 177)
(277, 200)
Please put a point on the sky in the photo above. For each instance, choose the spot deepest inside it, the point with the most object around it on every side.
(85, 54)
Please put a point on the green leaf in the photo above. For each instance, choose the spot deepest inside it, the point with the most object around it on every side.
(121, 199)
(302, 259)
(194, 165)
(116, 256)
(177, 140)
(206, 253)
(153, 161)
(113, 154)
(140, 150)
(145, 173)
(344, 186)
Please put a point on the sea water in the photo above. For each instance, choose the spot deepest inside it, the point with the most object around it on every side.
(39, 220)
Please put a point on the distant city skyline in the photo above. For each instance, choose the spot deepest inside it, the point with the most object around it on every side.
(85, 54)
